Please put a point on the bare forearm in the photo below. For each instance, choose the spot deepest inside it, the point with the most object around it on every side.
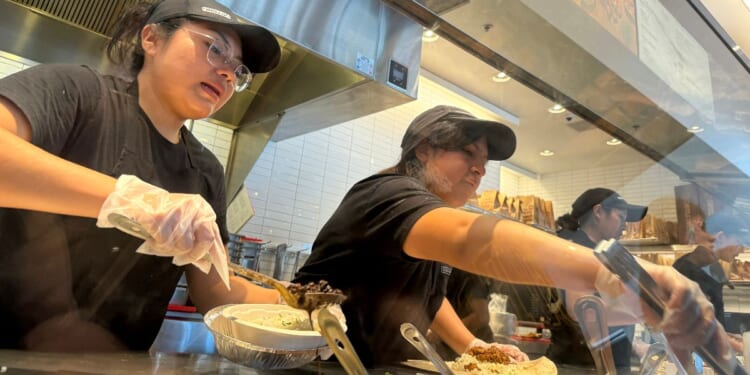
(451, 330)
(207, 291)
(37, 180)
(501, 249)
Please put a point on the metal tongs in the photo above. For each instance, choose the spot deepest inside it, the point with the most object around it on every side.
(331, 330)
(620, 262)
(589, 312)
(414, 337)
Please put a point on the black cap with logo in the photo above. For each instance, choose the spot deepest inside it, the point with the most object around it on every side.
(501, 141)
(260, 50)
(609, 199)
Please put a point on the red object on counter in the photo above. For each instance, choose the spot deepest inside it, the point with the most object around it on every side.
(182, 308)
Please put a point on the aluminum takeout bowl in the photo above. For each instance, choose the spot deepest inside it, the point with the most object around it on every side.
(251, 355)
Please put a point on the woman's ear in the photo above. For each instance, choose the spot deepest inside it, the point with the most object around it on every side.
(149, 39)
(423, 151)
(596, 211)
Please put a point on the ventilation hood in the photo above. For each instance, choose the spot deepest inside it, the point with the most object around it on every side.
(339, 62)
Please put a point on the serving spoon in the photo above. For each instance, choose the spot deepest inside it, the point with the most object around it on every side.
(299, 298)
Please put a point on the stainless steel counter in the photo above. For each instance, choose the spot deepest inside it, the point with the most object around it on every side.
(135, 363)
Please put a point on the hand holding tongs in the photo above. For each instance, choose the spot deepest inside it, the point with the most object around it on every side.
(589, 312)
(620, 262)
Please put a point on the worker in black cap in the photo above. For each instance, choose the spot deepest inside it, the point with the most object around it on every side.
(597, 214)
(78, 145)
(394, 239)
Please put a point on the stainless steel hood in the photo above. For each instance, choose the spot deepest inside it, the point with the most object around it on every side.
(339, 62)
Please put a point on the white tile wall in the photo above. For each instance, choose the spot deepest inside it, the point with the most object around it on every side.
(298, 183)
(10, 64)
(639, 182)
(216, 138)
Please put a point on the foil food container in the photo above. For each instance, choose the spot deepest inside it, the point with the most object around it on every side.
(250, 355)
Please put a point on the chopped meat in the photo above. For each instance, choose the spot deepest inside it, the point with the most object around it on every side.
(471, 367)
(491, 354)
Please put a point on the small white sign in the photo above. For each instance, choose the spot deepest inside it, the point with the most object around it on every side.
(240, 210)
(365, 64)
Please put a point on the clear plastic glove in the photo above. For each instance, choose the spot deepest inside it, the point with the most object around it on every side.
(515, 354)
(181, 226)
(688, 320)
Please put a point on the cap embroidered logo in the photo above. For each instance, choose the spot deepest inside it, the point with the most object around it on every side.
(216, 12)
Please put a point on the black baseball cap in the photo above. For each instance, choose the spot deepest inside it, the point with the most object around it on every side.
(260, 50)
(729, 224)
(609, 199)
(501, 141)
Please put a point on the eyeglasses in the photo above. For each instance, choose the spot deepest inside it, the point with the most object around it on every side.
(219, 55)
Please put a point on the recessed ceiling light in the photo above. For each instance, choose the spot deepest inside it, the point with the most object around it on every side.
(500, 77)
(429, 35)
(695, 129)
(546, 153)
(614, 142)
(556, 108)
(736, 48)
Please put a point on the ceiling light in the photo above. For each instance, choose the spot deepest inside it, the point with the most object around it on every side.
(556, 108)
(546, 153)
(736, 48)
(695, 129)
(747, 3)
(614, 142)
(429, 35)
(500, 77)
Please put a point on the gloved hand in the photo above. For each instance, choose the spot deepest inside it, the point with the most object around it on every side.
(181, 226)
(515, 354)
(688, 319)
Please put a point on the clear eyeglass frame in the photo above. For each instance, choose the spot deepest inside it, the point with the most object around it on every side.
(219, 55)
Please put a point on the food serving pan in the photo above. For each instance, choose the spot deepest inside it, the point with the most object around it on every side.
(251, 355)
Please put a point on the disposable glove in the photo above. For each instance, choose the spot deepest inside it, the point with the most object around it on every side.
(688, 320)
(181, 226)
(515, 354)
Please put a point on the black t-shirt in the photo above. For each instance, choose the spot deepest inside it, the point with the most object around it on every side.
(711, 287)
(568, 344)
(54, 264)
(360, 251)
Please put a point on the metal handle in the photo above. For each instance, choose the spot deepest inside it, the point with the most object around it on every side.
(339, 343)
(589, 312)
(414, 337)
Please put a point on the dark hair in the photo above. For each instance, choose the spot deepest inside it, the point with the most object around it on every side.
(448, 137)
(572, 223)
(124, 49)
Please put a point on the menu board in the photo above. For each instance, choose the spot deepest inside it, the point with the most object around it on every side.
(615, 16)
(675, 56)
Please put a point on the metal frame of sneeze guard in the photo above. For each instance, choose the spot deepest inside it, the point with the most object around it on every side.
(619, 261)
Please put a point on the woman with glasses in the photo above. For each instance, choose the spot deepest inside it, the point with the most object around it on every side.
(79, 146)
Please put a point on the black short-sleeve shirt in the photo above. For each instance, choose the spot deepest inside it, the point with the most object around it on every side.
(52, 265)
(710, 286)
(360, 250)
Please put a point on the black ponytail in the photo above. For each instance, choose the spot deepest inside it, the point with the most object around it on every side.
(567, 222)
